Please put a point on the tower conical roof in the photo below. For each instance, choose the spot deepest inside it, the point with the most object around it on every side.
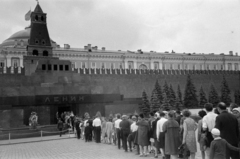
(38, 9)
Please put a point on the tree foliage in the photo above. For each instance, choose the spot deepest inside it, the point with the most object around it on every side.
(213, 96)
(159, 92)
(172, 96)
(155, 102)
(237, 97)
(202, 98)
(166, 89)
(225, 92)
(179, 102)
(190, 96)
(145, 106)
(165, 104)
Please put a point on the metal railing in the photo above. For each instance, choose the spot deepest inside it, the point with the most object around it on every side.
(14, 138)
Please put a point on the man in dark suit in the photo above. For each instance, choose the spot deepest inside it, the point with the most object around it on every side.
(125, 129)
(228, 126)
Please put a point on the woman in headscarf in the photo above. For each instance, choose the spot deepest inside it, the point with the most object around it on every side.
(172, 137)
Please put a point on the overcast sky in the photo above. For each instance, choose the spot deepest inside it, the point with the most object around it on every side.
(201, 26)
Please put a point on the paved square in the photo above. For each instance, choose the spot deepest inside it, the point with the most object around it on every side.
(69, 148)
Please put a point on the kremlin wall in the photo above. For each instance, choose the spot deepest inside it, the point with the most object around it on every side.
(48, 93)
(37, 75)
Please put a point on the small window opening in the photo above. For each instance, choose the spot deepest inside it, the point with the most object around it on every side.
(35, 52)
(55, 67)
(61, 67)
(36, 17)
(45, 53)
(43, 67)
(66, 68)
(49, 67)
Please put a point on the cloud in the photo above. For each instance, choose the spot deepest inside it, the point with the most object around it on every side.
(159, 25)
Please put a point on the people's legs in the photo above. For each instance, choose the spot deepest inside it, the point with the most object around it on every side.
(145, 151)
(192, 155)
(174, 157)
(207, 152)
(141, 150)
(118, 138)
(203, 154)
(138, 149)
(162, 152)
(99, 136)
(124, 141)
(78, 134)
(60, 129)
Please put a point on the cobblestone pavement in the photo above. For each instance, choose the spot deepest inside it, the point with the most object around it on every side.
(69, 148)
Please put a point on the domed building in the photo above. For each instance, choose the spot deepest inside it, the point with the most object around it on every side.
(20, 38)
(15, 47)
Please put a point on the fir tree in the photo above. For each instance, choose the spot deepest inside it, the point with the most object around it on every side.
(172, 96)
(145, 106)
(190, 96)
(213, 96)
(237, 97)
(166, 89)
(225, 93)
(155, 103)
(203, 99)
(165, 105)
(179, 94)
(179, 103)
(159, 91)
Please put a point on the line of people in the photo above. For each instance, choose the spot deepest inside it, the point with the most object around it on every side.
(169, 134)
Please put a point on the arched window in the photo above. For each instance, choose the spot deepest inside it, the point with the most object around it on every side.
(42, 18)
(45, 53)
(35, 53)
(36, 41)
(143, 67)
(43, 42)
(36, 17)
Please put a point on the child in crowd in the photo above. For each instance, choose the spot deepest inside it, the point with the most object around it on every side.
(218, 146)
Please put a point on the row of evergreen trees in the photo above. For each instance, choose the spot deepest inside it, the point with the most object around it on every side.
(165, 98)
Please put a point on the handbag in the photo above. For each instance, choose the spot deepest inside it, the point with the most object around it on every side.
(183, 149)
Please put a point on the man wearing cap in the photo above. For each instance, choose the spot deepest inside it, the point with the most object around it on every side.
(125, 129)
(227, 123)
(219, 146)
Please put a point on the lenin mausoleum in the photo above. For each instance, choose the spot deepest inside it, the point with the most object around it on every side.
(36, 74)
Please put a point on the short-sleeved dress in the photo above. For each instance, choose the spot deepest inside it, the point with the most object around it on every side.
(190, 137)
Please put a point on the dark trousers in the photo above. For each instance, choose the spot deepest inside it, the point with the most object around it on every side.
(88, 137)
(231, 153)
(124, 140)
(118, 138)
(60, 129)
(130, 145)
(78, 133)
(98, 134)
